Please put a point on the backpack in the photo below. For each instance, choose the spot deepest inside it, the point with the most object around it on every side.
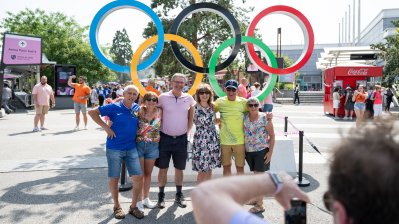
(389, 93)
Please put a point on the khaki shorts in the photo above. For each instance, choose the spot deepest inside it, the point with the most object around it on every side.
(239, 155)
(41, 109)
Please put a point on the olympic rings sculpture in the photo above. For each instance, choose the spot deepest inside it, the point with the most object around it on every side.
(212, 68)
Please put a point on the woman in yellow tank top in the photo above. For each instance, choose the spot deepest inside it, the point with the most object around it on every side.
(360, 98)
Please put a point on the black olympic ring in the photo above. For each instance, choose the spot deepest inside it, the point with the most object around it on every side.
(218, 10)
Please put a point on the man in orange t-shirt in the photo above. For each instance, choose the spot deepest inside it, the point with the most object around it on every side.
(82, 93)
(151, 87)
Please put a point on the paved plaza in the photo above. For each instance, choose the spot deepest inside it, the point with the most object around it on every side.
(60, 176)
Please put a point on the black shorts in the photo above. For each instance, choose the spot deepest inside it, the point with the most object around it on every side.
(175, 147)
(256, 161)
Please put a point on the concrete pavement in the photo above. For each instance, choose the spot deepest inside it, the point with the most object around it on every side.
(60, 176)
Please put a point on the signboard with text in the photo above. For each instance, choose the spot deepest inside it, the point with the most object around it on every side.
(21, 50)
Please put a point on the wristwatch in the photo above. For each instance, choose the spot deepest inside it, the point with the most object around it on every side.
(277, 180)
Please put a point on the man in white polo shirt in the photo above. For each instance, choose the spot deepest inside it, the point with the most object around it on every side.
(177, 120)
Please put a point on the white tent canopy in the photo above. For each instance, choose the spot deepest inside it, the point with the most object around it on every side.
(341, 55)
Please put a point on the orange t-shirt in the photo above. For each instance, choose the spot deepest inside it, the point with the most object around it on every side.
(152, 89)
(360, 98)
(81, 90)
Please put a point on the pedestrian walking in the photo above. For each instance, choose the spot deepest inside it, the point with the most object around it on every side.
(359, 97)
(296, 94)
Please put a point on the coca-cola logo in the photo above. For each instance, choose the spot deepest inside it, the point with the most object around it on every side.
(362, 71)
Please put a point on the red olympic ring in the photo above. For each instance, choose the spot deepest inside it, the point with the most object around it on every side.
(302, 21)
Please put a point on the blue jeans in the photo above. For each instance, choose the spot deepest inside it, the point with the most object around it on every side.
(115, 158)
(148, 150)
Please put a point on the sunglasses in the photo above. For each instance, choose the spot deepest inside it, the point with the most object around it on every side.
(253, 105)
(202, 93)
(328, 201)
(152, 99)
(231, 89)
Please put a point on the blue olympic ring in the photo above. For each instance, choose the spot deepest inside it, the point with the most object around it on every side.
(108, 9)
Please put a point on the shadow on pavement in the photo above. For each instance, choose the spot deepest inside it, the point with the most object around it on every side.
(21, 133)
(314, 184)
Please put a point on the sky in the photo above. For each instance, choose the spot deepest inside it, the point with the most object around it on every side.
(323, 15)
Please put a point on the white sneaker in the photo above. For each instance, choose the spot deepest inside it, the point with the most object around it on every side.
(76, 128)
(85, 128)
(148, 203)
(36, 129)
(140, 206)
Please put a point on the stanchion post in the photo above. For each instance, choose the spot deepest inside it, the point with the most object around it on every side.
(285, 125)
(124, 186)
(300, 180)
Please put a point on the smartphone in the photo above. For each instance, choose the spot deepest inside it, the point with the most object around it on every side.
(297, 213)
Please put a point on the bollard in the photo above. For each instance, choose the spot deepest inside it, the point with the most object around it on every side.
(300, 180)
(124, 186)
(285, 125)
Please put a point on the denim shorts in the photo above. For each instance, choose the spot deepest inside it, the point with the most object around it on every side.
(115, 158)
(148, 150)
(80, 107)
(267, 107)
(360, 106)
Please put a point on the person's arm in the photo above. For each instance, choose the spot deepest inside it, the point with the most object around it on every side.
(70, 83)
(95, 115)
(346, 98)
(272, 140)
(217, 200)
(52, 99)
(372, 95)
(354, 96)
(190, 118)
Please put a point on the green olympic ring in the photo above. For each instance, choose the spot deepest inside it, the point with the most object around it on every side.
(245, 39)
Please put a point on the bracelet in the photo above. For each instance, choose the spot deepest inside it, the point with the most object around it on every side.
(277, 180)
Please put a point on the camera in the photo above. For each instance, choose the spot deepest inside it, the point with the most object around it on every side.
(297, 213)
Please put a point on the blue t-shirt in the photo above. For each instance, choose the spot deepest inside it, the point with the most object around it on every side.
(244, 217)
(124, 124)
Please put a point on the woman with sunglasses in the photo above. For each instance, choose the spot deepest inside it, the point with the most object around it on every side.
(359, 97)
(259, 144)
(206, 144)
(148, 142)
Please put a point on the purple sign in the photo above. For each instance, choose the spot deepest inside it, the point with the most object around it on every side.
(21, 50)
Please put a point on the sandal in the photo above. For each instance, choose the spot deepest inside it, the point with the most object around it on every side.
(136, 212)
(257, 209)
(119, 213)
(251, 203)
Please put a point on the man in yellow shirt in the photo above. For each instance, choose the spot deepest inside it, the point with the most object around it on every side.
(232, 109)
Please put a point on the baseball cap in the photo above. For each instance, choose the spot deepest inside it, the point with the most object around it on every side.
(231, 83)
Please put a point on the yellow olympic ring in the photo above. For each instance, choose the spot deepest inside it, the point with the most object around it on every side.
(168, 37)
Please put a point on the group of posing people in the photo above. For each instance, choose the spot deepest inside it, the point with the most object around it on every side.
(361, 101)
(156, 131)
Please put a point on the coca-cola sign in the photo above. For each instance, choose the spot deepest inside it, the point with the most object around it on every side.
(361, 71)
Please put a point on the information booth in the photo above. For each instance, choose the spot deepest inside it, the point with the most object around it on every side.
(344, 76)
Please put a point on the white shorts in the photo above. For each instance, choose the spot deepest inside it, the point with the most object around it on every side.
(377, 110)
(335, 104)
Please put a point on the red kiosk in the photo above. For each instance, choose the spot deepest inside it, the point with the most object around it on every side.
(342, 76)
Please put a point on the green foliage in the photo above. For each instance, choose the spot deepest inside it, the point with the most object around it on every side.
(121, 52)
(63, 41)
(390, 53)
(206, 30)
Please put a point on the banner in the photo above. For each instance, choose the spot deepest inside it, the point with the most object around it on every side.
(62, 73)
(287, 78)
(21, 50)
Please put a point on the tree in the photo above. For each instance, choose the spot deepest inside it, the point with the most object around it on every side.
(390, 53)
(121, 52)
(205, 30)
(63, 41)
